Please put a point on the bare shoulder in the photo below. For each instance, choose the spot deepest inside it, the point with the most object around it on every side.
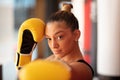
(51, 57)
(80, 71)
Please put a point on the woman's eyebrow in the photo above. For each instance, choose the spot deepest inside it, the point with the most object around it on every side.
(46, 35)
(55, 33)
(59, 32)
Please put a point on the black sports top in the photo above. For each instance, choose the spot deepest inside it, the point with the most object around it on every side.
(83, 61)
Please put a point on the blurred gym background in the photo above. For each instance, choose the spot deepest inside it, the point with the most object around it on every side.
(99, 22)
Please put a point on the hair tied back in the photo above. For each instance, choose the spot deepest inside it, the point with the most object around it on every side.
(66, 7)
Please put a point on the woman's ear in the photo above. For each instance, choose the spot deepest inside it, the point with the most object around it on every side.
(76, 34)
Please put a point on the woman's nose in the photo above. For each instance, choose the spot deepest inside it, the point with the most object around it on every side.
(54, 44)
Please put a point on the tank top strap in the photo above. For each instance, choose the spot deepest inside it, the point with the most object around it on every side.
(83, 61)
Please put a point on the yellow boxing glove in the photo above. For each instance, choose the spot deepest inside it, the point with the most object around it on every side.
(30, 33)
(45, 70)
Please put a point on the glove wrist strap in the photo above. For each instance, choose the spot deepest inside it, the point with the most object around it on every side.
(23, 59)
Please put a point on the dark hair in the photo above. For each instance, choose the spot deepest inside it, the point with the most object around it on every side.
(66, 16)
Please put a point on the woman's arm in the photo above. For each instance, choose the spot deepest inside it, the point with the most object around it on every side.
(79, 71)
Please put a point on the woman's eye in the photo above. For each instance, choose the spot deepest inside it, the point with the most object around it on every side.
(59, 37)
(48, 39)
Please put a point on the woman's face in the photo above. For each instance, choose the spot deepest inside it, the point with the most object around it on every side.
(60, 38)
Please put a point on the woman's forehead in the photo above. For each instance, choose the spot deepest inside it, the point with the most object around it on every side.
(55, 28)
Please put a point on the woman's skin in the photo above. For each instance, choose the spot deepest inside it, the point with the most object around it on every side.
(63, 42)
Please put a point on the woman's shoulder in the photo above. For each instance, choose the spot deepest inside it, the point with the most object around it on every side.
(51, 57)
(80, 71)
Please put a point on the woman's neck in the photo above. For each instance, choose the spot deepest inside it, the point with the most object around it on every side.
(73, 56)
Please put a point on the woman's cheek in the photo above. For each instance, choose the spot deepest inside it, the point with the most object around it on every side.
(67, 45)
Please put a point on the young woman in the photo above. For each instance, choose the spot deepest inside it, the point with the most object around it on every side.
(62, 32)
